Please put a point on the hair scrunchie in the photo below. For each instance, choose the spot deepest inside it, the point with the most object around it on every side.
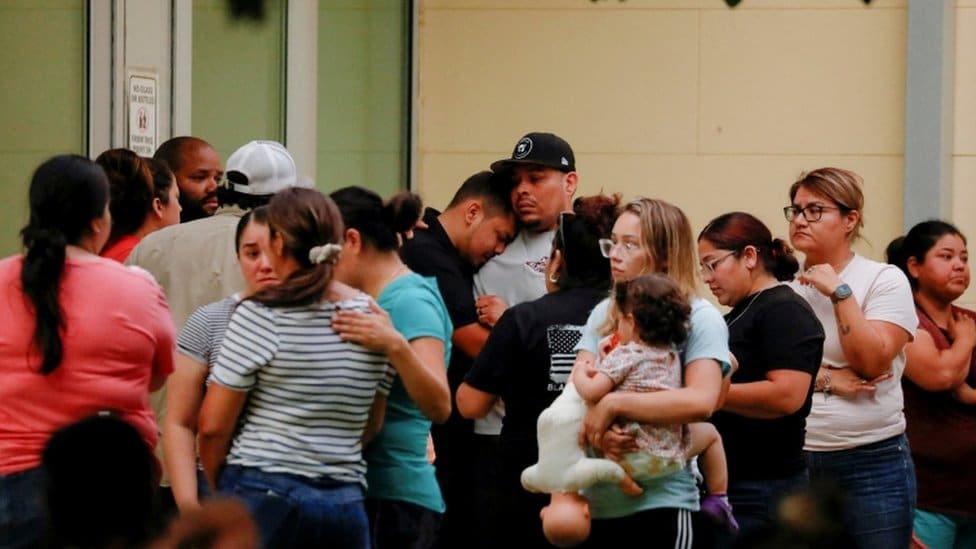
(327, 253)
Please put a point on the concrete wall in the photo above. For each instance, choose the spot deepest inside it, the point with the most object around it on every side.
(964, 150)
(42, 98)
(714, 109)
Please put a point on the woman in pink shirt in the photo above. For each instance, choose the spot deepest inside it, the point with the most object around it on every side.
(79, 335)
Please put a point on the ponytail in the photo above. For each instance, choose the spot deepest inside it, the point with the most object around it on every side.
(66, 194)
(306, 221)
(382, 225)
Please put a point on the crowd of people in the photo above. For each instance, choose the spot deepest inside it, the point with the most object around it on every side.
(195, 353)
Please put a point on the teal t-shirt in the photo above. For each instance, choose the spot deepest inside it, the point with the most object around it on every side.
(708, 338)
(396, 458)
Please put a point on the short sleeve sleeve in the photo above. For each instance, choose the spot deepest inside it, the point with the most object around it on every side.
(418, 312)
(590, 338)
(195, 341)
(250, 343)
(890, 299)
(490, 370)
(708, 337)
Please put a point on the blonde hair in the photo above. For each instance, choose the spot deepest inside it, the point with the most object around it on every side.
(666, 237)
(843, 187)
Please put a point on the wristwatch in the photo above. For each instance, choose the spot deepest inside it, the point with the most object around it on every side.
(841, 293)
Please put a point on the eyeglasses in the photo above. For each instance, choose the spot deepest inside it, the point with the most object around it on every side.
(607, 245)
(708, 267)
(811, 213)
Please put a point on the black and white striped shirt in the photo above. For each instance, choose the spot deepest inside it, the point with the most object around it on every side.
(310, 392)
(203, 332)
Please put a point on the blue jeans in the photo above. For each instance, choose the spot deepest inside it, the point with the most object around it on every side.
(295, 511)
(879, 482)
(755, 503)
(21, 509)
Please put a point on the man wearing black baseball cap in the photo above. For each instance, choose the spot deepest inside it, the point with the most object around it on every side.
(542, 171)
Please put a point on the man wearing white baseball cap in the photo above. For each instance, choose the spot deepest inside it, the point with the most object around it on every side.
(196, 262)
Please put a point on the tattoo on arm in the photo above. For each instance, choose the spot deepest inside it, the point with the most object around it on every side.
(844, 329)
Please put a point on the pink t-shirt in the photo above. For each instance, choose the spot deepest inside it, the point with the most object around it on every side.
(118, 334)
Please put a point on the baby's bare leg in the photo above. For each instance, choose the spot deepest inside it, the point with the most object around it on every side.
(706, 441)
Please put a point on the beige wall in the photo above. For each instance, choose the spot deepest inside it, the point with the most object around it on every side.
(714, 109)
(964, 150)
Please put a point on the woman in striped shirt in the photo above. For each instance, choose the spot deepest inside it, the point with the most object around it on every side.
(290, 402)
(198, 347)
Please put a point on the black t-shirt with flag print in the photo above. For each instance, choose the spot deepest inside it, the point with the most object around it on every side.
(526, 361)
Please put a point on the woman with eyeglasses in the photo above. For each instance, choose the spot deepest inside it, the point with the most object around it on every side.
(856, 427)
(529, 354)
(778, 343)
(940, 373)
(653, 236)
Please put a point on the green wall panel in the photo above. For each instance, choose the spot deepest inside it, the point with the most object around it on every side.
(238, 70)
(362, 91)
(42, 97)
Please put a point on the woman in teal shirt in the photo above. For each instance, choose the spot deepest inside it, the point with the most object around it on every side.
(403, 500)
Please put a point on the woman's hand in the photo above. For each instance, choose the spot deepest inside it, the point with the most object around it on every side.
(372, 330)
(489, 309)
(846, 383)
(596, 431)
(962, 328)
(822, 277)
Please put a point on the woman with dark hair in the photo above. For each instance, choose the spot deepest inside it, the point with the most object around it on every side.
(528, 356)
(144, 198)
(940, 365)
(856, 425)
(403, 500)
(294, 398)
(778, 343)
(80, 334)
(198, 347)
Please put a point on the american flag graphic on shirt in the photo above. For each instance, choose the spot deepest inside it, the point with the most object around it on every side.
(562, 338)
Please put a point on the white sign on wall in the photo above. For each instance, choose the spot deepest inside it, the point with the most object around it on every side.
(141, 98)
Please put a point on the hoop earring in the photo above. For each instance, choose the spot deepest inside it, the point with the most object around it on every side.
(553, 279)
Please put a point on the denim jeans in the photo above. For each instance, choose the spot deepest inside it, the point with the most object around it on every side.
(294, 511)
(21, 509)
(755, 502)
(879, 482)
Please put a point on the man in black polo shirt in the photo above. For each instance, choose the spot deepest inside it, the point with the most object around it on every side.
(476, 226)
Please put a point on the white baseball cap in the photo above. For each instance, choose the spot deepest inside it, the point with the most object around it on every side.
(267, 167)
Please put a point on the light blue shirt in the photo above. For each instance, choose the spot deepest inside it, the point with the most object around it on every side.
(707, 339)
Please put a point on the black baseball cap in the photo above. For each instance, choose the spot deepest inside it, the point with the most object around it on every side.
(543, 149)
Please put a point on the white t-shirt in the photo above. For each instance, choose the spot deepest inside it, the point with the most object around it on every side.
(839, 423)
(516, 275)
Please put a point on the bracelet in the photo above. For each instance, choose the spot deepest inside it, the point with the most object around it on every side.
(824, 382)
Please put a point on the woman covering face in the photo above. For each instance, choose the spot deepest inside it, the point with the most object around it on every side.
(856, 427)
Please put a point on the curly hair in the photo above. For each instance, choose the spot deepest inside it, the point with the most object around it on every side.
(660, 309)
